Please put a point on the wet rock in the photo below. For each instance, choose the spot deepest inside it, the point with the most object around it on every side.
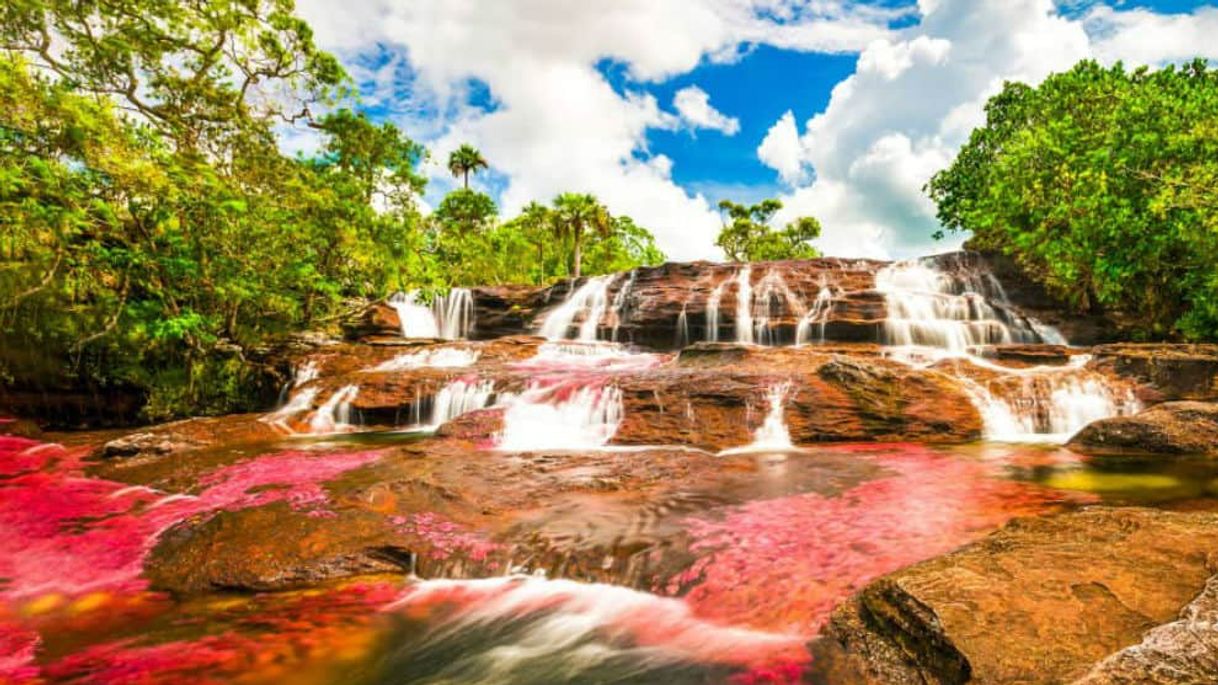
(187, 435)
(273, 547)
(1040, 601)
(377, 319)
(1167, 372)
(1183, 651)
(1172, 428)
(157, 443)
(19, 428)
(1023, 356)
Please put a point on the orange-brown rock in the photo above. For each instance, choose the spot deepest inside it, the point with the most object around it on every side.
(1172, 428)
(1040, 601)
(1165, 372)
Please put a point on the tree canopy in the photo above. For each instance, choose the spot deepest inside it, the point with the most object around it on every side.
(155, 233)
(1103, 184)
(746, 235)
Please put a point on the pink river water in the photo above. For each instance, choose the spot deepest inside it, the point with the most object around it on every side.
(75, 608)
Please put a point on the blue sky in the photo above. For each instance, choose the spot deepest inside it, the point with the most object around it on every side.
(663, 107)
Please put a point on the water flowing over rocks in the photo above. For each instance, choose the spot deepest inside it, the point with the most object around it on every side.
(743, 457)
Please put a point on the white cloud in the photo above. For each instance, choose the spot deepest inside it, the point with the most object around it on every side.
(915, 97)
(558, 124)
(781, 150)
(694, 107)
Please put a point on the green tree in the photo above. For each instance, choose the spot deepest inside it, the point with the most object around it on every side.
(464, 211)
(747, 237)
(575, 216)
(1102, 184)
(466, 160)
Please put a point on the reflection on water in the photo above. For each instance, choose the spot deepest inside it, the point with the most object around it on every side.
(764, 563)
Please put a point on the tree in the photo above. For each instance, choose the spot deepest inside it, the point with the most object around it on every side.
(466, 160)
(575, 215)
(465, 211)
(1102, 184)
(747, 237)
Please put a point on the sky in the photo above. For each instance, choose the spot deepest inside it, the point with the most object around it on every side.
(842, 109)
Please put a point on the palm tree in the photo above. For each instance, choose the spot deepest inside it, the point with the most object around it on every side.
(574, 215)
(466, 160)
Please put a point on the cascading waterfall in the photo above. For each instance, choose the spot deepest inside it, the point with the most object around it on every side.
(443, 358)
(682, 335)
(450, 317)
(812, 325)
(560, 418)
(297, 404)
(616, 312)
(712, 312)
(744, 305)
(335, 414)
(460, 397)
(768, 299)
(589, 303)
(1047, 404)
(926, 307)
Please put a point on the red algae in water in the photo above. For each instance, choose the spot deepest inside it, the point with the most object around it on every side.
(444, 537)
(784, 564)
(65, 535)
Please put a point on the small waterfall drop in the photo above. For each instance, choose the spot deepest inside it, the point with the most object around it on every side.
(450, 317)
(460, 397)
(558, 418)
(768, 300)
(297, 404)
(773, 433)
(812, 325)
(681, 338)
(335, 414)
(305, 373)
(617, 311)
(713, 301)
(588, 303)
(744, 305)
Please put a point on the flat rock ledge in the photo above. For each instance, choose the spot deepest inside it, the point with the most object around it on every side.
(1096, 596)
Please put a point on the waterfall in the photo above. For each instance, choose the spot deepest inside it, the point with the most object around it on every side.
(682, 334)
(926, 307)
(816, 317)
(299, 403)
(588, 356)
(305, 373)
(619, 304)
(545, 418)
(744, 305)
(1048, 407)
(460, 397)
(772, 435)
(450, 316)
(335, 414)
(442, 358)
(590, 301)
(768, 298)
(712, 312)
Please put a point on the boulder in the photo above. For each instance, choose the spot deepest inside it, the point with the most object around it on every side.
(1042, 600)
(378, 319)
(1176, 428)
(1166, 372)
(273, 547)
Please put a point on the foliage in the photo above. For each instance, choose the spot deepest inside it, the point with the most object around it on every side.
(537, 246)
(575, 216)
(747, 237)
(155, 235)
(464, 161)
(1103, 184)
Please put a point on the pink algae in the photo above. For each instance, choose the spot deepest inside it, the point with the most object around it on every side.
(444, 537)
(64, 534)
(784, 564)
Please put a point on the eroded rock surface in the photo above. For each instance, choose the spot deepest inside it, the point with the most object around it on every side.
(1040, 601)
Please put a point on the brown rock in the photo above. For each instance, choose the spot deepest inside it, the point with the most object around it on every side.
(377, 319)
(1040, 601)
(272, 548)
(1167, 372)
(1170, 428)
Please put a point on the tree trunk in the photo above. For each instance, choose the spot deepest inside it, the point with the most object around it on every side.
(577, 255)
(467, 179)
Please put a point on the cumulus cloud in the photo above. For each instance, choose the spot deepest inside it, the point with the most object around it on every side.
(781, 151)
(694, 107)
(557, 124)
(915, 97)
